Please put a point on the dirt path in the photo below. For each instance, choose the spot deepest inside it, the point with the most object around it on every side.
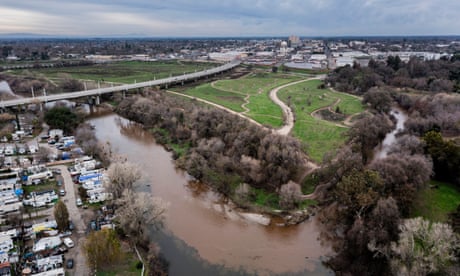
(246, 97)
(273, 94)
(329, 107)
(218, 106)
(287, 112)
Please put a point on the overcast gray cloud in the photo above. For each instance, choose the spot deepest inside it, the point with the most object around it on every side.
(230, 17)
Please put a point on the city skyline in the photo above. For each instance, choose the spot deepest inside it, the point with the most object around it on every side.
(181, 18)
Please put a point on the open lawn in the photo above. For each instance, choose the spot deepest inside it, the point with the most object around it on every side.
(435, 204)
(321, 136)
(123, 71)
(232, 94)
(230, 100)
(47, 185)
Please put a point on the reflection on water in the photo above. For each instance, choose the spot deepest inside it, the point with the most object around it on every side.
(202, 236)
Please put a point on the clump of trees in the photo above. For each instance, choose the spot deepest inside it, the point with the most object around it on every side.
(62, 117)
(432, 75)
(135, 211)
(367, 133)
(425, 248)
(364, 197)
(102, 249)
(219, 148)
(440, 112)
(445, 155)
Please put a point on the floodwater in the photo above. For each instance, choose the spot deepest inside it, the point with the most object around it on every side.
(390, 138)
(202, 235)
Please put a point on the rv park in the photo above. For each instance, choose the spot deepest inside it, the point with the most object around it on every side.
(29, 190)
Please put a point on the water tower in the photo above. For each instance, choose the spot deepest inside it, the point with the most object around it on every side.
(283, 49)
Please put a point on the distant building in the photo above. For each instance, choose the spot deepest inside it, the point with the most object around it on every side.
(294, 41)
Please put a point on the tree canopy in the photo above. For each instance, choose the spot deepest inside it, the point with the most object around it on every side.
(61, 117)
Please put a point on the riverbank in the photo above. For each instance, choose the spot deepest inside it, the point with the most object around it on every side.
(198, 237)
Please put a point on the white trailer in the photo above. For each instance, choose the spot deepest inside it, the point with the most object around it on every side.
(6, 243)
(46, 243)
(35, 178)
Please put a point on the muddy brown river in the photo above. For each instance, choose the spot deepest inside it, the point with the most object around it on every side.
(201, 234)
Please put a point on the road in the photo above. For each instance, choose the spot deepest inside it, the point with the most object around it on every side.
(80, 267)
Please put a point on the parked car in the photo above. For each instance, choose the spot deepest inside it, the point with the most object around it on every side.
(69, 263)
(62, 192)
(65, 234)
(93, 225)
(68, 242)
(79, 202)
(71, 225)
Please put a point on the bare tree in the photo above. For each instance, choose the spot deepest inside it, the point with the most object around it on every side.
(137, 211)
(43, 154)
(122, 176)
(424, 248)
(290, 195)
(86, 138)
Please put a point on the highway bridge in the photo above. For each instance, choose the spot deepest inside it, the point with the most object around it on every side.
(125, 87)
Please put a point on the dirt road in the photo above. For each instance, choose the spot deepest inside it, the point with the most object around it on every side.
(78, 235)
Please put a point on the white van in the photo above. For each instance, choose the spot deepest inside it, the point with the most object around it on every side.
(68, 242)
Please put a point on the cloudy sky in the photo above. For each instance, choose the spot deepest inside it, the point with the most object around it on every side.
(230, 17)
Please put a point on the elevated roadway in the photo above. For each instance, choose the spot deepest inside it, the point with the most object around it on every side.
(125, 87)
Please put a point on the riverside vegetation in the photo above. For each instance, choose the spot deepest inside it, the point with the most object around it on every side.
(243, 161)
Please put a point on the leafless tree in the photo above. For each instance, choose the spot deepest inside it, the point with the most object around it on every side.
(122, 176)
(424, 248)
(290, 195)
(137, 211)
(43, 154)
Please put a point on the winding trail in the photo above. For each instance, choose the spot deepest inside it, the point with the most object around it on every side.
(273, 94)
(287, 112)
(329, 107)
(240, 114)
(246, 97)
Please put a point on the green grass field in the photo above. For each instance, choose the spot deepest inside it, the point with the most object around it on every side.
(232, 93)
(321, 136)
(230, 100)
(124, 71)
(435, 204)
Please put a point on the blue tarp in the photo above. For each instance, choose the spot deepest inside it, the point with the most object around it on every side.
(89, 176)
(65, 155)
(19, 192)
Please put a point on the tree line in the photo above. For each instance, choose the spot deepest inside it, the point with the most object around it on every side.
(432, 75)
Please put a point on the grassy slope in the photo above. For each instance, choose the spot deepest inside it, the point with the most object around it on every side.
(435, 204)
(231, 94)
(321, 136)
(230, 100)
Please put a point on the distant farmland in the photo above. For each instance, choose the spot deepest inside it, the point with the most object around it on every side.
(122, 71)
